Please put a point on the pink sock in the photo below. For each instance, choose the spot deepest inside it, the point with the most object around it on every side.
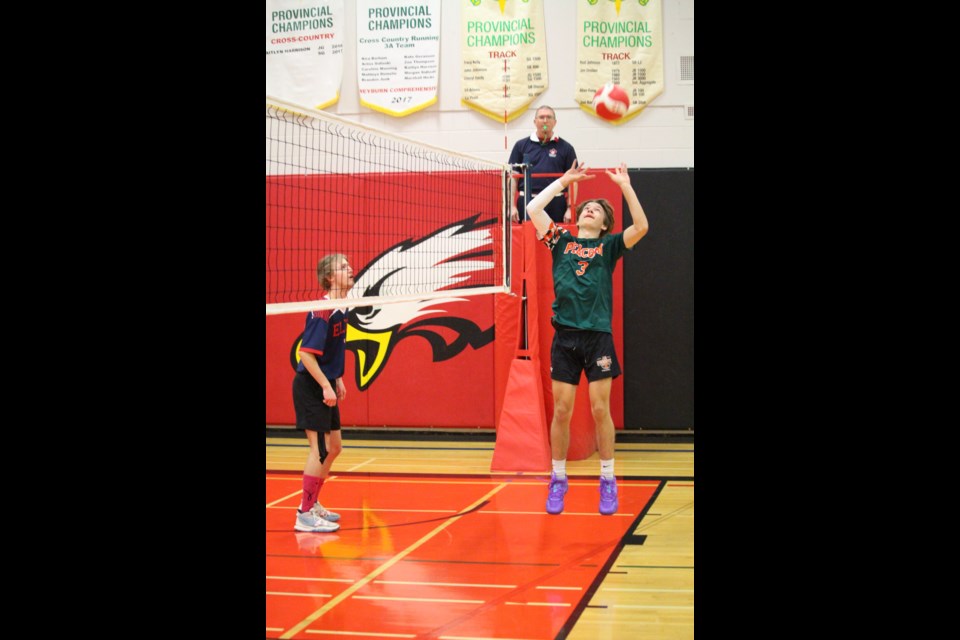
(311, 487)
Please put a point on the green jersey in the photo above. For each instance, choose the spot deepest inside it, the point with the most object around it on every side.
(583, 278)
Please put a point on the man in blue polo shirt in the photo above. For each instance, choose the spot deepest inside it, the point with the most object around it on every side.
(544, 152)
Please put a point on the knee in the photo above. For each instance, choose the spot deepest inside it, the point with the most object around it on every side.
(562, 411)
(601, 411)
(334, 450)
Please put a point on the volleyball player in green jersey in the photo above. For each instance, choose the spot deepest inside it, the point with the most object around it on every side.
(582, 312)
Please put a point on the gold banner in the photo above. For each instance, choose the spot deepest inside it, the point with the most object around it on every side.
(504, 56)
(619, 41)
(398, 55)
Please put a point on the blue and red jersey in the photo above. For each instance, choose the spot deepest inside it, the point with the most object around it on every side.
(325, 336)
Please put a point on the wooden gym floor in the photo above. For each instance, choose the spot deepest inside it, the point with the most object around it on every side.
(434, 545)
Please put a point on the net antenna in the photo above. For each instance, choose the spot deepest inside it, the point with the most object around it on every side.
(416, 222)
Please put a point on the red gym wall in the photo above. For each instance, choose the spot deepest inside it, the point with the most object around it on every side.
(442, 370)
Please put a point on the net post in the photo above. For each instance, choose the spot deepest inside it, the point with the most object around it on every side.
(507, 230)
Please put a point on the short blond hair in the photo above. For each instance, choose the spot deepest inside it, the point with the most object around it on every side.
(325, 268)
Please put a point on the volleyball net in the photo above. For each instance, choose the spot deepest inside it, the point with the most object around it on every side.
(416, 222)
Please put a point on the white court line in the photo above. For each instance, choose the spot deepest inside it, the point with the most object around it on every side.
(332, 506)
(295, 493)
(439, 481)
(362, 633)
(541, 604)
(492, 481)
(478, 638)
(648, 606)
(287, 497)
(305, 595)
(357, 466)
(274, 628)
(417, 599)
(496, 480)
(462, 584)
(486, 512)
(625, 589)
(347, 580)
(449, 584)
(349, 591)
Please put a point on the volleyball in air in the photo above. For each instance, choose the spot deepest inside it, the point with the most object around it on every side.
(611, 101)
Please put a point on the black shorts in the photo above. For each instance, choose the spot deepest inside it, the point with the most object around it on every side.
(308, 403)
(574, 351)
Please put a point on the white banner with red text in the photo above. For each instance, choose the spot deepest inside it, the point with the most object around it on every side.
(305, 51)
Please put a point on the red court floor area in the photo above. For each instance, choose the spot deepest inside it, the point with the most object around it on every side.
(439, 556)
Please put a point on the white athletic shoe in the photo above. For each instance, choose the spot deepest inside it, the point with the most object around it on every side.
(318, 509)
(310, 521)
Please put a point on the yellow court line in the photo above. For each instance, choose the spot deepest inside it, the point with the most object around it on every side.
(362, 582)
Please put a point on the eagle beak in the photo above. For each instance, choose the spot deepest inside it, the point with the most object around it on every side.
(371, 349)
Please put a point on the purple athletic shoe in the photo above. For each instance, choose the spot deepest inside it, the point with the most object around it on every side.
(558, 488)
(608, 496)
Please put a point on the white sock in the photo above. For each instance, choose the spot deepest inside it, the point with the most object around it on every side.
(560, 469)
(606, 469)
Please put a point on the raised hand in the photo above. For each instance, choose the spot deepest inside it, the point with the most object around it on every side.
(620, 175)
(576, 173)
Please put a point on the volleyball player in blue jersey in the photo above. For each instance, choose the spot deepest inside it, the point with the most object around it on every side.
(317, 387)
(582, 320)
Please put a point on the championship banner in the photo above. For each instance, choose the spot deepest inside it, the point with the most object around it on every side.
(305, 51)
(504, 54)
(619, 42)
(398, 54)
